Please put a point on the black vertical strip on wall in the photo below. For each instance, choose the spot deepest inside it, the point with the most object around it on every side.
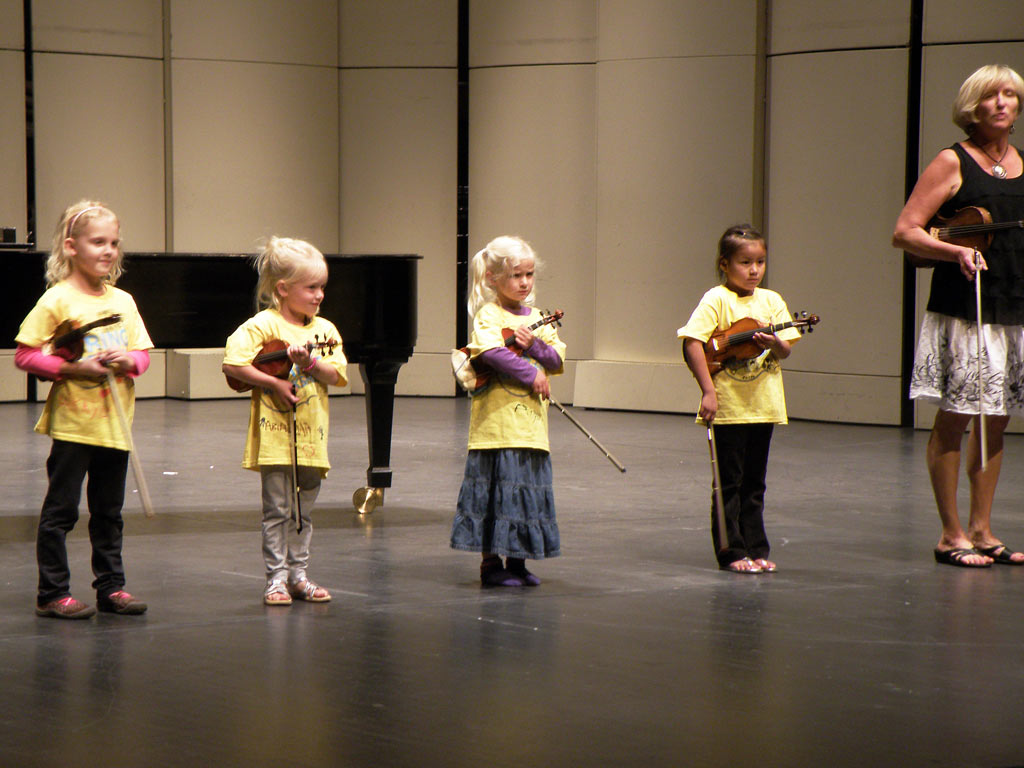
(30, 130)
(30, 159)
(462, 181)
(915, 54)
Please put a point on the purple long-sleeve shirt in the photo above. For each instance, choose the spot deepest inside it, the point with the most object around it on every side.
(506, 362)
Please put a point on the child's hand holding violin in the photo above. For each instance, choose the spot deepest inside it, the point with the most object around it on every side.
(771, 341)
(302, 356)
(283, 390)
(299, 355)
(524, 337)
(116, 360)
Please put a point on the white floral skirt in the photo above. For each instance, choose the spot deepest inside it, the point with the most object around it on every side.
(946, 366)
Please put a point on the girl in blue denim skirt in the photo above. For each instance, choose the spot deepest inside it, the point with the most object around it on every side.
(506, 505)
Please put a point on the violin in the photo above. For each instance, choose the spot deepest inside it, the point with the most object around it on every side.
(273, 360)
(68, 339)
(472, 380)
(971, 227)
(737, 341)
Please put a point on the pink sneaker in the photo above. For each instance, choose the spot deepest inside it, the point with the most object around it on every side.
(121, 602)
(65, 608)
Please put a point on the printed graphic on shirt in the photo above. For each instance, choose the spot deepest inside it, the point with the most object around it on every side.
(752, 368)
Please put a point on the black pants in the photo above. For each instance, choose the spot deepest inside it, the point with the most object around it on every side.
(742, 465)
(66, 468)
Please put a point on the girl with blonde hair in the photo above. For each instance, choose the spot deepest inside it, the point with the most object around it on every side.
(506, 505)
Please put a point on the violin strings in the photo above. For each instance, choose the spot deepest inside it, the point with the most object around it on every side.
(967, 229)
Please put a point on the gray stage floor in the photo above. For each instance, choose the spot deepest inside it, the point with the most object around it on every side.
(636, 650)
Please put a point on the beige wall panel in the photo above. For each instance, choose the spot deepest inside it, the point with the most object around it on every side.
(399, 33)
(675, 168)
(510, 32)
(428, 374)
(113, 27)
(842, 397)
(255, 154)
(153, 383)
(834, 195)
(270, 31)
(811, 25)
(635, 386)
(104, 141)
(398, 181)
(12, 24)
(13, 381)
(648, 29)
(13, 211)
(948, 21)
(532, 173)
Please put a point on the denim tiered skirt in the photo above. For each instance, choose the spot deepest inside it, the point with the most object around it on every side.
(506, 505)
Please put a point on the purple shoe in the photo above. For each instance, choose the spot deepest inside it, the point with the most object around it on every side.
(517, 568)
(499, 577)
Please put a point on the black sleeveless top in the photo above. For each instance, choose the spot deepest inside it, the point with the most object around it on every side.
(1002, 285)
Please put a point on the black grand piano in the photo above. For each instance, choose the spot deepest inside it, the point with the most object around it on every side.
(198, 299)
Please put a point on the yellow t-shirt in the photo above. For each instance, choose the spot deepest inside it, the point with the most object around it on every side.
(506, 414)
(749, 391)
(268, 442)
(80, 410)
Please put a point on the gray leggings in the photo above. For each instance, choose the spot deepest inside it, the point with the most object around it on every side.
(286, 550)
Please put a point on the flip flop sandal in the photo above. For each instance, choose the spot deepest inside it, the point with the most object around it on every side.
(959, 557)
(1001, 554)
(733, 567)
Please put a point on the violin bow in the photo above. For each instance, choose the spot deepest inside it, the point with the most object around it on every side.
(594, 440)
(140, 479)
(982, 436)
(718, 505)
(293, 436)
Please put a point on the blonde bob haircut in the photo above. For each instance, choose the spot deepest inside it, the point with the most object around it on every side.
(283, 258)
(499, 257)
(982, 81)
(72, 224)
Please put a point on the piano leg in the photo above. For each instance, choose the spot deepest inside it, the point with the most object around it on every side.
(379, 378)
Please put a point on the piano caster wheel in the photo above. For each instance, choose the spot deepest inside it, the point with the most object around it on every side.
(365, 500)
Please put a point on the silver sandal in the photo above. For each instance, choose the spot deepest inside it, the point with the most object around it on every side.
(275, 588)
(307, 590)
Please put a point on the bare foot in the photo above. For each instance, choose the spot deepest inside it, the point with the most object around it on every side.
(766, 566)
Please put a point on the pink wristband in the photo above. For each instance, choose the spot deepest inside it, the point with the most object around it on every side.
(311, 366)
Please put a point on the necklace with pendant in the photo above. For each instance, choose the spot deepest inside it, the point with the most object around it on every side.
(997, 170)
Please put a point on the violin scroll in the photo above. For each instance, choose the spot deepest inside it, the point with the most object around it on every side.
(804, 322)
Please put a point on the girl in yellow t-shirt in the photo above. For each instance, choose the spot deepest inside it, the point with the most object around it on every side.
(506, 505)
(745, 398)
(84, 263)
(292, 276)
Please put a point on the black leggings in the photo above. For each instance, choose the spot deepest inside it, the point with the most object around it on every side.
(66, 468)
(742, 464)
